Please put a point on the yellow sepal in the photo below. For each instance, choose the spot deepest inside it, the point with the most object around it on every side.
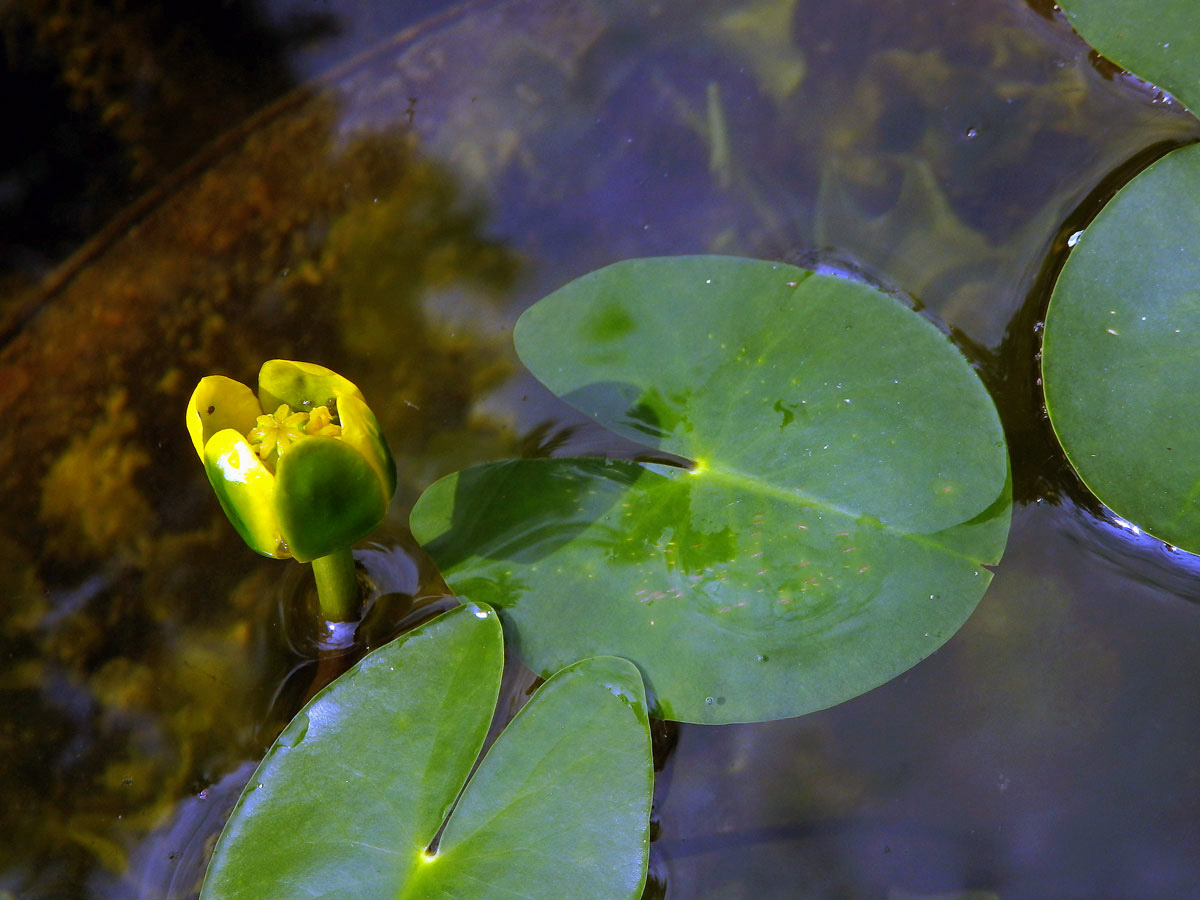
(246, 490)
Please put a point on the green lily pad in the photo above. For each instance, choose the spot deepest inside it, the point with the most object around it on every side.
(350, 798)
(1158, 40)
(1119, 356)
(850, 483)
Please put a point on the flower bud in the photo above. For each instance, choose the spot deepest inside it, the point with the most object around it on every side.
(303, 469)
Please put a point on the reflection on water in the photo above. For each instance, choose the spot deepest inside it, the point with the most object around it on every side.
(390, 222)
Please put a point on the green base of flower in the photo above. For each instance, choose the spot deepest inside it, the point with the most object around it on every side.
(337, 586)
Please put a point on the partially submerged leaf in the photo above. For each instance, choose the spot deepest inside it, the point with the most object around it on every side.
(1119, 356)
(351, 796)
(850, 483)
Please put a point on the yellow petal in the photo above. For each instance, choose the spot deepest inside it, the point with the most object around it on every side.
(320, 422)
(361, 430)
(219, 403)
(246, 489)
(301, 385)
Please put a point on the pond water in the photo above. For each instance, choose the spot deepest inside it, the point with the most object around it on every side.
(391, 219)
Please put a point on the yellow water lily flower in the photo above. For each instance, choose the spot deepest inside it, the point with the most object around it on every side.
(301, 470)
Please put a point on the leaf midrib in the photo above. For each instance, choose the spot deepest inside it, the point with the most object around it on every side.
(799, 497)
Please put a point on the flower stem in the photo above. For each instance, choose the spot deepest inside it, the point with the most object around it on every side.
(337, 585)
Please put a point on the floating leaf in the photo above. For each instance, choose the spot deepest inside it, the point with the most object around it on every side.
(352, 794)
(1119, 358)
(850, 483)
(1158, 40)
